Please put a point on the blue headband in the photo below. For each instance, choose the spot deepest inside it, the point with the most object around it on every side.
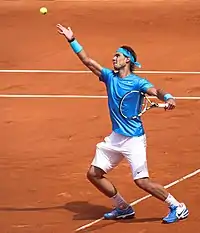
(126, 53)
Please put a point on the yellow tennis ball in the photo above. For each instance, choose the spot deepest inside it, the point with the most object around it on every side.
(43, 10)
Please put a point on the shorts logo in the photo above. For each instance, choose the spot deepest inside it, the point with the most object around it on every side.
(139, 172)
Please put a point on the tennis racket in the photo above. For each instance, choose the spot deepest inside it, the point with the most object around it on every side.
(135, 103)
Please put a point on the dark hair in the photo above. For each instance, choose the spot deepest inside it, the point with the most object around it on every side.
(132, 65)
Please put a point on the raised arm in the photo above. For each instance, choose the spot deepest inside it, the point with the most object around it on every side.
(78, 49)
(164, 96)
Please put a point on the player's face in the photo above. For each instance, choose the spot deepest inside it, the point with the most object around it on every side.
(119, 61)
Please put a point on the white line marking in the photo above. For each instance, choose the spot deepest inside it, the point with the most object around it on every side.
(87, 71)
(47, 71)
(81, 96)
(144, 198)
(20, 226)
(53, 96)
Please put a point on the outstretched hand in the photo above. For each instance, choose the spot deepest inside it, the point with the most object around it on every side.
(67, 32)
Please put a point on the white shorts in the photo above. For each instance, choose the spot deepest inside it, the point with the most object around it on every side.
(116, 147)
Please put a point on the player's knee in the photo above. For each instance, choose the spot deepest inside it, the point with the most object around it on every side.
(142, 183)
(90, 174)
(94, 173)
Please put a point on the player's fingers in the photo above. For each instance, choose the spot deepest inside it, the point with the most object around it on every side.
(60, 32)
(171, 106)
(60, 27)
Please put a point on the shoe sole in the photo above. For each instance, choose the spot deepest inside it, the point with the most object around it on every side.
(127, 216)
(165, 222)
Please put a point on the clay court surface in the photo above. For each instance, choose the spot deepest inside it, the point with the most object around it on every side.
(47, 144)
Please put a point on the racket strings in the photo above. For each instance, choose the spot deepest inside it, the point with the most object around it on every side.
(146, 104)
(132, 104)
(135, 103)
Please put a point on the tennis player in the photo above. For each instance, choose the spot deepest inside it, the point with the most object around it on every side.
(127, 139)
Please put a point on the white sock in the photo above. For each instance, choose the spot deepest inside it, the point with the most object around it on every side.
(170, 200)
(119, 201)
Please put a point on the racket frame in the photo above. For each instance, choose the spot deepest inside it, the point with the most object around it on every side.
(149, 104)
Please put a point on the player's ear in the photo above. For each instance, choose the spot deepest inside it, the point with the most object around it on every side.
(128, 59)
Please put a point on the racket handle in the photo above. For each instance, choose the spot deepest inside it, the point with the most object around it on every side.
(164, 105)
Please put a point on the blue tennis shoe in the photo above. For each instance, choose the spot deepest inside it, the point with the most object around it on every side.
(120, 213)
(176, 213)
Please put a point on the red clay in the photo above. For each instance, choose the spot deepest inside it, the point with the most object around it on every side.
(48, 144)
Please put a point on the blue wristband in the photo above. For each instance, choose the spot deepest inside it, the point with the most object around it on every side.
(168, 96)
(76, 46)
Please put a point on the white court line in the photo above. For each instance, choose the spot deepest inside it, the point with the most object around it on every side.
(143, 198)
(87, 71)
(81, 96)
(53, 96)
(47, 71)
